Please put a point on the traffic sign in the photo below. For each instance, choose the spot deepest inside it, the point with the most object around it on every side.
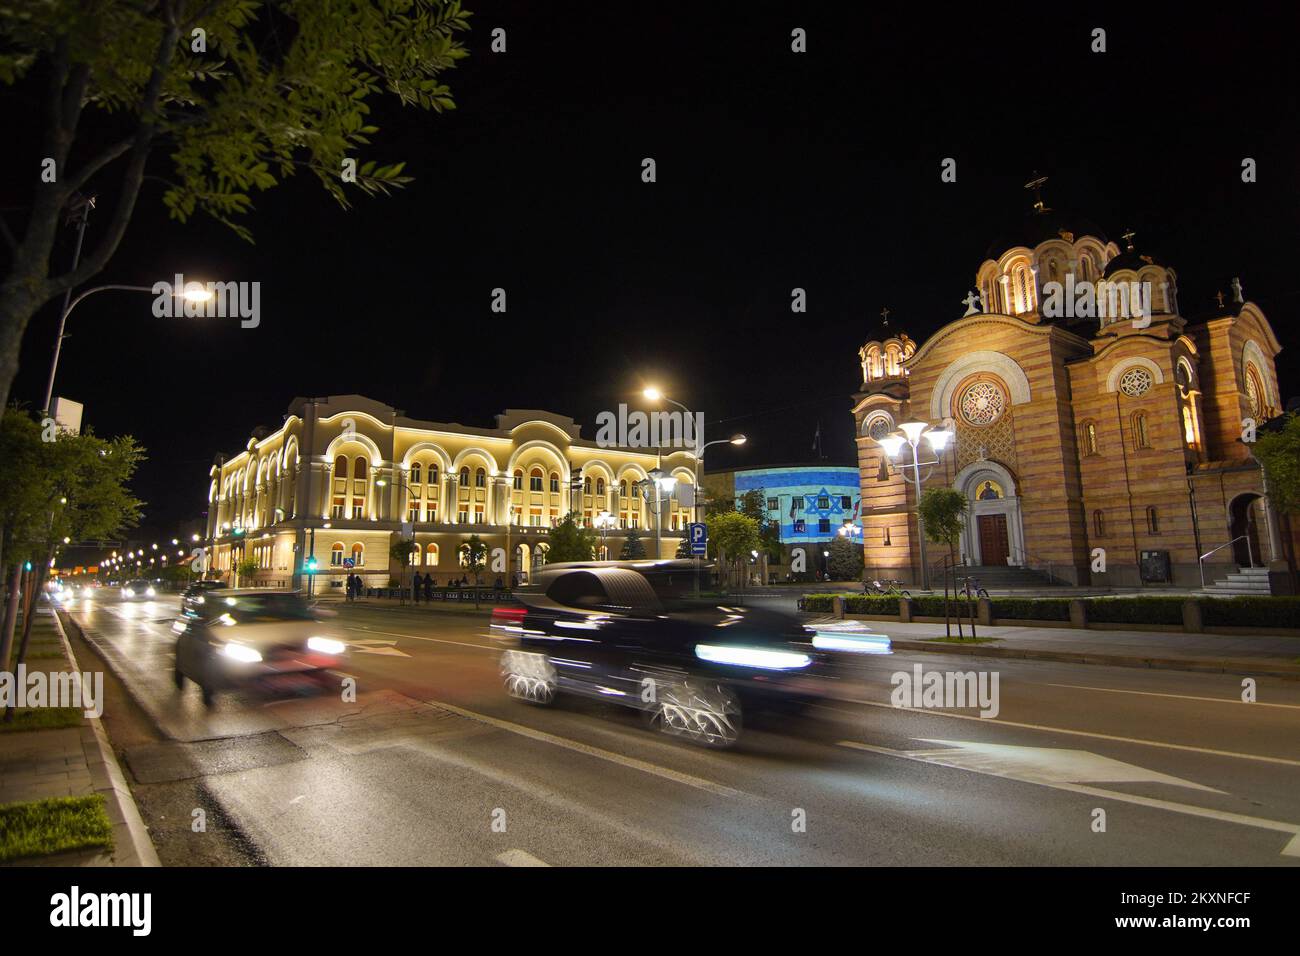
(349, 563)
(699, 537)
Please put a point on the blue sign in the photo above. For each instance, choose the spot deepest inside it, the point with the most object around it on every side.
(699, 536)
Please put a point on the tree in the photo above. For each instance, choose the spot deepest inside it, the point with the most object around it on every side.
(754, 504)
(1279, 452)
(72, 487)
(944, 512)
(845, 562)
(473, 557)
(633, 547)
(239, 103)
(732, 536)
(570, 541)
(400, 551)
(245, 568)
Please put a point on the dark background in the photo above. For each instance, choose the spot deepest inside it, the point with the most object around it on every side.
(775, 170)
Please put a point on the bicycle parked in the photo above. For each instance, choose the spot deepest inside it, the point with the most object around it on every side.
(885, 586)
(971, 589)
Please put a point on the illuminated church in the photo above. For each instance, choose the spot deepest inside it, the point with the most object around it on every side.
(1095, 430)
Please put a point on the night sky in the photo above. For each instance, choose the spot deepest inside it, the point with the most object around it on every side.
(775, 170)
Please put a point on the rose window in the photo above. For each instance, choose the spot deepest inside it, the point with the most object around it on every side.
(982, 403)
(1136, 381)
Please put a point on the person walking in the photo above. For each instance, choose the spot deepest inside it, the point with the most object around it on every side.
(428, 588)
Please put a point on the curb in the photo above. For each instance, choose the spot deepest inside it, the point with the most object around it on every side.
(1198, 664)
(109, 781)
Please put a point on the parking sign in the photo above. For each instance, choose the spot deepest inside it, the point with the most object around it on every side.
(699, 535)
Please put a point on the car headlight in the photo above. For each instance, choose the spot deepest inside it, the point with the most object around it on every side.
(150, 593)
(752, 657)
(128, 592)
(200, 600)
(325, 645)
(242, 653)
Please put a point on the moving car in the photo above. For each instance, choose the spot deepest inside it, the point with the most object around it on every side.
(139, 590)
(197, 594)
(628, 632)
(258, 639)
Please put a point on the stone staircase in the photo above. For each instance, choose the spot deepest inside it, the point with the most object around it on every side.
(1245, 581)
(1002, 577)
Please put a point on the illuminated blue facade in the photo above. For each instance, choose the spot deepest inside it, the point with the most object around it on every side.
(812, 502)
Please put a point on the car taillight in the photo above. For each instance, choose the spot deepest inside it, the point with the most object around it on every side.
(508, 615)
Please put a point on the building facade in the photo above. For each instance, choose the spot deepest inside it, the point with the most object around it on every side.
(345, 477)
(1096, 435)
(810, 504)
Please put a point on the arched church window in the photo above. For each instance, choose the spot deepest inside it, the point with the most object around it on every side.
(1099, 524)
(1140, 439)
(1254, 392)
(1090, 438)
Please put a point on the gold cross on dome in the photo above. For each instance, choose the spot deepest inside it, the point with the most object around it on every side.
(1128, 237)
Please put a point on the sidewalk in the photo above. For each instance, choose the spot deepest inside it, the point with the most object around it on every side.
(76, 761)
(1251, 655)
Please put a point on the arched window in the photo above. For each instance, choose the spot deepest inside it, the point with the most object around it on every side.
(1099, 524)
(336, 554)
(1140, 439)
(600, 486)
(1090, 438)
(431, 556)
(463, 554)
(359, 469)
(415, 556)
(464, 477)
(586, 485)
(340, 467)
(535, 479)
(358, 554)
(519, 480)
(555, 483)
(415, 473)
(1189, 427)
(1153, 521)
(480, 478)
(433, 474)
(622, 488)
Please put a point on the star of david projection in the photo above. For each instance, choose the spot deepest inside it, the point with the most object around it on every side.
(834, 507)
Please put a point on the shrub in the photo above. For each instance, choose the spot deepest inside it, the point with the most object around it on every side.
(1251, 612)
(871, 604)
(1031, 609)
(1136, 610)
(817, 602)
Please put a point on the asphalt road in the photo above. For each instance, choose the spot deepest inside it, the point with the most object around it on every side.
(434, 765)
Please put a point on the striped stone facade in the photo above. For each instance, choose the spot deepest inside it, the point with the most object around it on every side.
(1103, 450)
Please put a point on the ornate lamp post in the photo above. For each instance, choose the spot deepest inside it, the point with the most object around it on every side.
(913, 434)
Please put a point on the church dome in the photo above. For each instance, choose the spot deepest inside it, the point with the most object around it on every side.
(1039, 227)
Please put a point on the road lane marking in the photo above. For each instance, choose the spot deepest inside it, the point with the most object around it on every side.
(1151, 693)
(699, 783)
(519, 858)
(1291, 849)
(416, 637)
(999, 722)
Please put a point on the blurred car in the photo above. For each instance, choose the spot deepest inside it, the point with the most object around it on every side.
(255, 638)
(139, 590)
(196, 595)
(629, 632)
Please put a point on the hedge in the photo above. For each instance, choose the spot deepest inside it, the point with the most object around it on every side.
(1263, 612)
(871, 604)
(1136, 610)
(1251, 612)
(1031, 609)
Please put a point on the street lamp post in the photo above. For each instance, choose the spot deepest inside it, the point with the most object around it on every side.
(195, 296)
(913, 433)
(604, 521)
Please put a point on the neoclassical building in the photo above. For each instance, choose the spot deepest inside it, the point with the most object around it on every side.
(1079, 429)
(343, 477)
